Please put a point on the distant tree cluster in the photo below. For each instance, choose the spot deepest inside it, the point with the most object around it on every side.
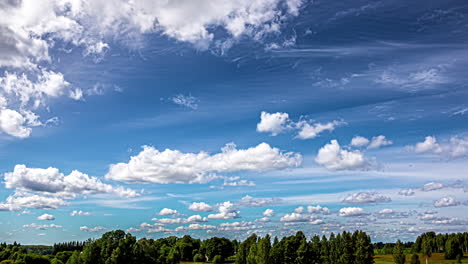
(344, 248)
(452, 245)
(118, 247)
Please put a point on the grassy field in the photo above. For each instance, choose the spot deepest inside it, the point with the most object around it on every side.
(437, 258)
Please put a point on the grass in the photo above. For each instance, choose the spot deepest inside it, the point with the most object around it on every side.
(437, 258)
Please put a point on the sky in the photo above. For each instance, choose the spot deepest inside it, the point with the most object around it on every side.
(232, 117)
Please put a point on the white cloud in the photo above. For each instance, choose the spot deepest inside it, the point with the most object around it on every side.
(41, 227)
(299, 210)
(446, 202)
(387, 211)
(269, 213)
(167, 211)
(316, 222)
(52, 181)
(455, 147)
(359, 141)
(352, 211)
(46, 217)
(195, 227)
(250, 201)
(309, 130)
(13, 123)
(318, 210)
(366, 197)
(239, 183)
(295, 217)
(92, 229)
(378, 142)
(186, 101)
(274, 123)
(432, 186)
(190, 219)
(414, 80)
(406, 192)
(429, 145)
(79, 213)
(201, 207)
(333, 157)
(26, 200)
(226, 210)
(173, 166)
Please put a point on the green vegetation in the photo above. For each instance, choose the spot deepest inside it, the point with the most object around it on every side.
(118, 247)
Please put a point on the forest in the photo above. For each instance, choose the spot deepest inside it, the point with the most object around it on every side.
(118, 247)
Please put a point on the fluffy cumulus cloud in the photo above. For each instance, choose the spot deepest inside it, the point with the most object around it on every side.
(446, 202)
(190, 219)
(318, 210)
(295, 217)
(46, 217)
(352, 212)
(28, 33)
(455, 147)
(308, 130)
(269, 213)
(201, 207)
(167, 211)
(41, 227)
(227, 210)
(52, 181)
(21, 200)
(274, 123)
(374, 143)
(366, 198)
(47, 188)
(332, 156)
(173, 166)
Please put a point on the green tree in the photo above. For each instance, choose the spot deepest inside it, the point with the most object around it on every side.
(415, 259)
(398, 253)
(426, 247)
(218, 259)
(74, 258)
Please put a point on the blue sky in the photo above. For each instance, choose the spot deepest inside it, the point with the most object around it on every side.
(224, 119)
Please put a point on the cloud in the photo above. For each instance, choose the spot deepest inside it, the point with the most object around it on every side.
(277, 123)
(318, 210)
(295, 217)
(366, 197)
(378, 142)
(173, 166)
(432, 186)
(274, 123)
(190, 219)
(186, 101)
(79, 213)
(249, 201)
(375, 143)
(167, 211)
(352, 212)
(27, 200)
(92, 229)
(52, 181)
(406, 192)
(359, 141)
(333, 157)
(46, 217)
(41, 227)
(201, 207)
(239, 183)
(269, 213)
(446, 202)
(455, 147)
(309, 130)
(195, 227)
(226, 210)
(13, 123)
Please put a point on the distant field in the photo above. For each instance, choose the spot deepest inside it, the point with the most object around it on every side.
(437, 258)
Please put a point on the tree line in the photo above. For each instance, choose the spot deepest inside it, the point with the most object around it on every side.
(118, 247)
(451, 245)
